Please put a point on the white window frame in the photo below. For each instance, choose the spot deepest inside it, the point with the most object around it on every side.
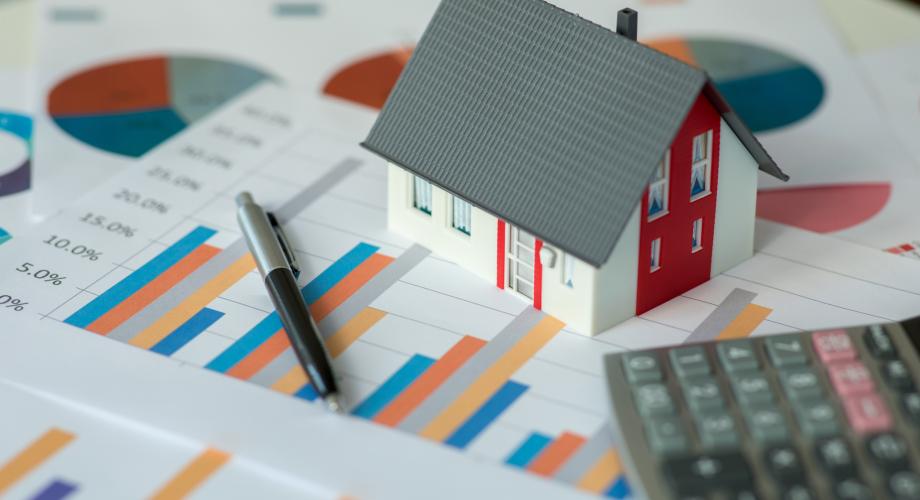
(568, 271)
(461, 211)
(704, 164)
(655, 262)
(419, 204)
(696, 235)
(662, 183)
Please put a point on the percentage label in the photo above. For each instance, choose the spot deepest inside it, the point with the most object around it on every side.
(45, 275)
(166, 175)
(68, 246)
(206, 157)
(137, 199)
(15, 304)
(103, 222)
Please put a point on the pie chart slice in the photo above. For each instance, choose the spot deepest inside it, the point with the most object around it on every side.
(15, 153)
(768, 89)
(129, 107)
(823, 209)
(368, 82)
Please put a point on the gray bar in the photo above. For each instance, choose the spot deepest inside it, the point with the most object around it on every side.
(270, 373)
(374, 288)
(298, 9)
(322, 185)
(168, 301)
(727, 311)
(587, 455)
(75, 14)
(471, 370)
(194, 281)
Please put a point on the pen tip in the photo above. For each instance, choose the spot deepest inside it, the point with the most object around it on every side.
(334, 403)
(244, 197)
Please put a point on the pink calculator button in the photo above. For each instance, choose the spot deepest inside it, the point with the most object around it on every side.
(833, 345)
(851, 378)
(867, 413)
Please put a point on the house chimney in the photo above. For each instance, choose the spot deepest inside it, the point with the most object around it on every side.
(628, 23)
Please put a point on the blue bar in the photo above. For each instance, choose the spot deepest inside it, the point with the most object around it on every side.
(56, 490)
(306, 392)
(311, 293)
(397, 383)
(528, 450)
(186, 332)
(620, 488)
(486, 414)
(139, 278)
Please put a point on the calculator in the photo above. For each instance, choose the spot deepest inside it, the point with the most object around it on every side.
(829, 414)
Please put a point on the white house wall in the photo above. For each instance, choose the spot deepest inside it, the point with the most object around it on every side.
(475, 252)
(573, 305)
(616, 283)
(736, 204)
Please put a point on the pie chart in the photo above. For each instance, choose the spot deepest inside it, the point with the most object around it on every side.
(768, 89)
(368, 81)
(15, 154)
(129, 107)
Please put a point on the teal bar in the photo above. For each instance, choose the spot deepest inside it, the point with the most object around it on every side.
(529, 449)
(393, 387)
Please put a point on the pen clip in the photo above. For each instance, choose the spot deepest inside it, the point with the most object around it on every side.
(286, 248)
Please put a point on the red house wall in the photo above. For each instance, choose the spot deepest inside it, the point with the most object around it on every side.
(681, 269)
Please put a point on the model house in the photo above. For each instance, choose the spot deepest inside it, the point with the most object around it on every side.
(567, 163)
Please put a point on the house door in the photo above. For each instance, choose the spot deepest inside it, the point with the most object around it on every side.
(520, 261)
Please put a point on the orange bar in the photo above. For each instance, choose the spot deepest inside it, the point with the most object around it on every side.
(746, 322)
(33, 456)
(292, 381)
(433, 377)
(353, 330)
(153, 290)
(349, 285)
(193, 475)
(602, 474)
(261, 356)
(550, 459)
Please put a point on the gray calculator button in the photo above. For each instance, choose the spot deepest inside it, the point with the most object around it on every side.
(703, 394)
(889, 451)
(897, 375)
(752, 388)
(798, 492)
(801, 384)
(879, 342)
(766, 424)
(817, 419)
(666, 435)
(836, 457)
(737, 355)
(904, 485)
(852, 489)
(787, 350)
(642, 367)
(654, 400)
(911, 405)
(690, 361)
(717, 430)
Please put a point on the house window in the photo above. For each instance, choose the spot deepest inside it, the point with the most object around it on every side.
(568, 270)
(421, 195)
(702, 166)
(461, 215)
(655, 255)
(658, 189)
(696, 239)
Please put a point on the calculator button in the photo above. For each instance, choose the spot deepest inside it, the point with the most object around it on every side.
(904, 485)
(836, 456)
(798, 492)
(785, 465)
(690, 361)
(851, 378)
(746, 493)
(852, 489)
(889, 451)
(666, 435)
(910, 402)
(817, 419)
(642, 367)
(717, 430)
(833, 345)
(701, 474)
(801, 384)
(897, 375)
(867, 413)
(766, 424)
(654, 400)
(879, 342)
(703, 394)
(737, 355)
(787, 350)
(752, 388)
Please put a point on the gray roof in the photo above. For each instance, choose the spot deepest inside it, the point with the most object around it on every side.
(540, 117)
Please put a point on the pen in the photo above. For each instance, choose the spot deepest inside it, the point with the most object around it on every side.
(279, 270)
